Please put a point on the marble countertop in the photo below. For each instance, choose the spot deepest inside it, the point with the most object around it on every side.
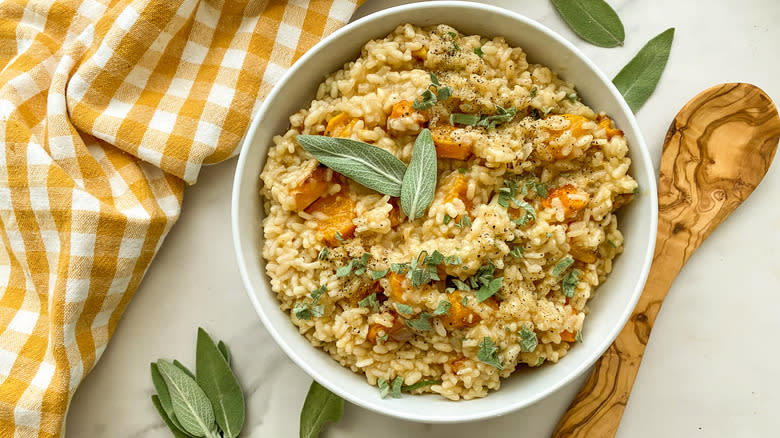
(707, 370)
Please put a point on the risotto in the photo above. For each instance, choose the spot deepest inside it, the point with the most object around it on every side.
(496, 273)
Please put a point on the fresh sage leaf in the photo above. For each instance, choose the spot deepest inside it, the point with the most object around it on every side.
(489, 289)
(421, 323)
(562, 265)
(368, 165)
(569, 282)
(164, 397)
(168, 419)
(488, 353)
(397, 384)
(219, 383)
(420, 384)
(528, 340)
(183, 368)
(224, 350)
(320, 407)
(443, 308)
(419, 182)
(464, 119)
(384, 387)
(190, 404)
(638, 79)
(593, 20)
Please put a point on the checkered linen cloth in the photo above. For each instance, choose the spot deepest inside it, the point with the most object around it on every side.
(107, 108)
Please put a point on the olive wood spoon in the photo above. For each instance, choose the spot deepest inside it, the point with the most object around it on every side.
(716, 151)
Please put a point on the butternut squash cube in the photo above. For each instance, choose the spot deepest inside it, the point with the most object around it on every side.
(448, 144)
(339, 210)
(311, 188)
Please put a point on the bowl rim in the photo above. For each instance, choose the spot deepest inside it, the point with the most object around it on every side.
(238, 243)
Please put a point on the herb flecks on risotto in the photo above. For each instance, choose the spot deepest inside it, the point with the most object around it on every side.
(460, 215)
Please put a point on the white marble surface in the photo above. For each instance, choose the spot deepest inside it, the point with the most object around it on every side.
(710, 367)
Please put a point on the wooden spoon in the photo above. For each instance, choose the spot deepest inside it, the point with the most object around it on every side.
(716, 151)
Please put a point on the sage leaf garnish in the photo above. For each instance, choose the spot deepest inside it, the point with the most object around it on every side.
(443, 308)
(489, 289)
(638, 79)
(366, 164)
(593, 20)
(169, 418)
(464, 119)
(384, 387)
(569, 282)
(420, 384)
(528, 341)
(562, 265)
(397, 383)
(321, 406)
(488, 353)
(421, 323)
(183, 368)
(404, 308)
(370, 301)
(578, 337)
(419, 182)
(190, 404)
(220, 385)
(164, 399)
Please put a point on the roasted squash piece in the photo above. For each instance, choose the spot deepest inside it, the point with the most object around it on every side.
(457, 364)
(340, 125)
(421, 53)
(571, 204)
(568, 336)
(399, 332)
(576, 129)
(400, 109)
(311, 188)
(459, 316)
(585, 255)
(398, 284)
(606, 124)
(448, 145)
(395, 213)
(458, 189)
(339, 209)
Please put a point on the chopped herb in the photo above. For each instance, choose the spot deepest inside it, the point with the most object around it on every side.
(444, 92)
(540, 362)
(465, 300)
(434, 79)
(397, 382)
(528, 341)
(399, 268)
(548, 235)
(612, 244)
(517, 252)
(488, 353)
(562, 265)
(359, 266)
(452, 34)
(478, 51)
(427, 99)
(420, 384)
(462, 169)
(636, 190)
(449, 290)
(404, 308)
(464, 119)
(489, 289)
(573, 97)
(502, 116)
(528, 213)
(443, 309)
(578, 338)
(569, 283)
(534, 90)
(384, 388)
(370, 301)
(383, 337)
(460, 284)
(301, 310)
(434, 259)
(323, 253)
(422, 322)
(317, 293)
(376, 275)
(339, 237)
(465, 221)
(447, 219)
(504, 196)
(318, 311)
(453, 260)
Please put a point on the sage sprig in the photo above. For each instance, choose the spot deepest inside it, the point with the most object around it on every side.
(419, 182)
(638, 79)
(366, 164)
(320, 407)
(207, 404)
(593, 20)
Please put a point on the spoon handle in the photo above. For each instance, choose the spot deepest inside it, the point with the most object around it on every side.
(717, 150)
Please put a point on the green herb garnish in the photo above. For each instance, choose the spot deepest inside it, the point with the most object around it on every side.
(569, 282)
(573, 97)
(422, 322)
(638, 79)
(502, 116)
(578, 337)
(370, 301)
(323, 253)
(420, 384)
(376, 275)
(356, 265)
(478, 51)
(433, 93)
(419, 182)
(384, 387)
(562, 265)
(488, 353)
(464, 119)
(211, 403)
(465, 221)
(301, 310)
(339, 237)
(593, 20)
(489, 289)
(397, 382)
(611, 243)
(368, 165)
(540, 362)
(517, 252)
(404, 308)
(443, 308)
(321, 406)
(317, 293)
(383, 337)
(528, 341)
(447, 219)
(534, 90)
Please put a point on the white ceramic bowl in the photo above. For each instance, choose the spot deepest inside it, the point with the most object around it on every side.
(613, 301)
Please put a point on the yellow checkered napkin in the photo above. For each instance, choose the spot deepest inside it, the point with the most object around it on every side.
(106, 109)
